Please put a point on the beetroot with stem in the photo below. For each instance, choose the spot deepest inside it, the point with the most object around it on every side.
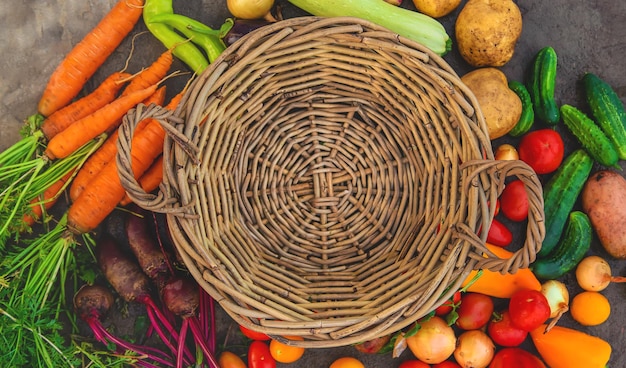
(182, 297)
(92, 302)
(133, 285)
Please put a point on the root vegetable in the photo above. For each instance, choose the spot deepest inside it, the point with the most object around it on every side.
(152, 258)
(181, 296)
(501, 106)
(603, 198)
(593, 273)
(487, 31)
(506, 152)
(558, 298)
(127, 278)
(92, 302)
(474, 349)
(434, 342)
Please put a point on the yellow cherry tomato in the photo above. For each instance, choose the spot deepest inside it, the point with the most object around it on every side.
(284, 353)
(347, 362)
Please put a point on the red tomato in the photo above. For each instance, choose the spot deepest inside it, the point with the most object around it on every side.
(413, 364)
(528, 309)
(450, 305)
(503, 332)
(253, 335)
(499, 234)
(231, 360)
(447, 364)
(514, 201)
(259, 355)
(475, 311)
(515, 358)
(542, 150)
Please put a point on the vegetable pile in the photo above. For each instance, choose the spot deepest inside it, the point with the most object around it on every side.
(62, 268)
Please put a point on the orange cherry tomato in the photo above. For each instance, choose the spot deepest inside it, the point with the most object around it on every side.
(284, 353)
(347, 362)
(231, 360)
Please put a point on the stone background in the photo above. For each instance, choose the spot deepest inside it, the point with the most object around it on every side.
(587, 36)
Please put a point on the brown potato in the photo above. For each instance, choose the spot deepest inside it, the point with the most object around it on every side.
(501, 106)
(604, 201)
(487, 31)
(436, 8)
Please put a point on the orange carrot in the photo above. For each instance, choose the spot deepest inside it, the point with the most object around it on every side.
(502, 285)
(88, 55)
(89, 127)
(104, 94)
(94, 165)
(105, 191)
(150, 180)
(106, 153)
(48, 198)
(153, 74)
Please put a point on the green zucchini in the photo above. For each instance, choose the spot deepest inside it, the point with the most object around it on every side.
(608, 111)
(571, 248)
(560, 194)
(527, 118)
(589, 134)
(541, 86)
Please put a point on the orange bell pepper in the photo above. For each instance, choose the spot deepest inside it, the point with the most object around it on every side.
(564, 347)
(500, 285)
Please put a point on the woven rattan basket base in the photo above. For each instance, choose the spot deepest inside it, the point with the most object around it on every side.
(327, 178)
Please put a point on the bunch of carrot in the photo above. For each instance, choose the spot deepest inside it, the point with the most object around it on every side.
(73, 143)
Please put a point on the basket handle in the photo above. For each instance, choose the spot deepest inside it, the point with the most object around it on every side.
(163, 201)
(494, 172)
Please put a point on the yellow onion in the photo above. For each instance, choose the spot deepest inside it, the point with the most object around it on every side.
(474, 349)
(506, 152)
(250, 9)
(434, 342)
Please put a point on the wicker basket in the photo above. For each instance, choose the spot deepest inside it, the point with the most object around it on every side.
(327, 178)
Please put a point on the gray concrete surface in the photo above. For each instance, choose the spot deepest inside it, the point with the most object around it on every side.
(587, 36)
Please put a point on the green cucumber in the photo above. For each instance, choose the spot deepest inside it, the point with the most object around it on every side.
(608, 111)
(571, 248)
(527, 118)
(541, 86)
(560, 194)
(589, 134)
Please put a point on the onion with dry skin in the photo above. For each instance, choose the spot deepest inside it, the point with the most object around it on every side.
(250, 9)
(593, 273)
(558, 298)
(506, 152)
(474, 349)
(434, 342)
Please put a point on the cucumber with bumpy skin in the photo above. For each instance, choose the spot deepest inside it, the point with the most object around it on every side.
(590, 136)
(572, 247)
(527, 118)
(541, 86)
(560, 195)
(608, 110)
